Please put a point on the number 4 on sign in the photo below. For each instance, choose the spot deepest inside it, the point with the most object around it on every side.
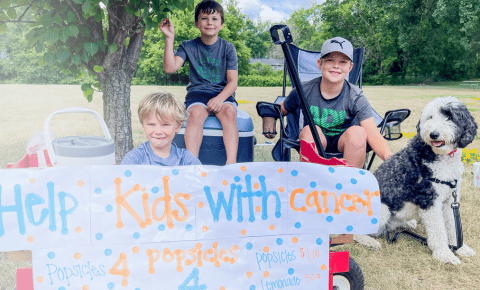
(195, 286)
(124, 272)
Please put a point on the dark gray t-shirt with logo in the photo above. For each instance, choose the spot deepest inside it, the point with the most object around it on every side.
(208, 63)
(333, 116)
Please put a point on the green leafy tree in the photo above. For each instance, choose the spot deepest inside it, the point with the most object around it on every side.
(258, 37)
(103, 38)
(18, 60)
(306, 28)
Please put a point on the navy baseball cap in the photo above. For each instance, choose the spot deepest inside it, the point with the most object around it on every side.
(339, 44)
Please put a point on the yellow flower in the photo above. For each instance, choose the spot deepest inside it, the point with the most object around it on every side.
(245, 102)
(409, 134)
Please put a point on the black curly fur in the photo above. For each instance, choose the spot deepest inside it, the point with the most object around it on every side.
(410, 183)
(459, 114)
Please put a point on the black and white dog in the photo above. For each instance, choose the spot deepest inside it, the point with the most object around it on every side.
(418, 180)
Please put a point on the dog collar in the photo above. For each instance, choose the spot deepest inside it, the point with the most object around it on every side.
(451, 153)
(451, 184)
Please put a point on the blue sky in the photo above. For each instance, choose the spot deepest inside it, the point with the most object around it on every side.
(273, 10)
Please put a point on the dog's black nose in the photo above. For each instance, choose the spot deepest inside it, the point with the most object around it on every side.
(434, 135)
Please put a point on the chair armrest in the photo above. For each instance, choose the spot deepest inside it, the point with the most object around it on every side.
(391, 123)
(266, 109)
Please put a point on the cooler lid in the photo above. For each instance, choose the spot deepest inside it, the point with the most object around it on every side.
(244, 122)
(83, 146)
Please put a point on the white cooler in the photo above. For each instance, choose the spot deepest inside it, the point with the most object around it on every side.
(80, 150)
(212, 150)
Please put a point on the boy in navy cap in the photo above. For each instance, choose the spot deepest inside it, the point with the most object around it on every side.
(340, 111)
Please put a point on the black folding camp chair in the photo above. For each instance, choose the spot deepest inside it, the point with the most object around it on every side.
(303, 63)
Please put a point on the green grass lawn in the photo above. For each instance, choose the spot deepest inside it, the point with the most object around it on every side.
(405, 265)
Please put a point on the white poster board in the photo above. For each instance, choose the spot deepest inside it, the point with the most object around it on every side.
(242, 226)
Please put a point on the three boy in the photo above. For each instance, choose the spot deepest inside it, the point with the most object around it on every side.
(342, 114)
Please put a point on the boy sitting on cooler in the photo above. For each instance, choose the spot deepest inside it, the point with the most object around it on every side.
(213, 76)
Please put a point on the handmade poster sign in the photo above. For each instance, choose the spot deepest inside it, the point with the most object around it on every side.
(242, 226)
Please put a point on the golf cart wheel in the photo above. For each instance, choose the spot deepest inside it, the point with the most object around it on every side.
(351, 280)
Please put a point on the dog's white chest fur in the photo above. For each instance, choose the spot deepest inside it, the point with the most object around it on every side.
(449, 169)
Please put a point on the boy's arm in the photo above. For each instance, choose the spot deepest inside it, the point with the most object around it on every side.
(215, 104)
(171, 63)
(375, 139)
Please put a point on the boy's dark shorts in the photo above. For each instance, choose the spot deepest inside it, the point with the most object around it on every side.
(202, 98)
(332, 143)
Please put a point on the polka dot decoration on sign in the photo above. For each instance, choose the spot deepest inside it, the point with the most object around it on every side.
(175, 172)
(107, 252)
(374, 221)
(353, 181)
(97, 190)
(128, 173)
(249, 246)
(155, 190)
(331, 169)
(338, 186)
(349, 228)
(294, 172)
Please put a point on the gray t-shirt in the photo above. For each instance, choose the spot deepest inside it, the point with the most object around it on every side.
(333, 116)
(208, 63)
(144, 155)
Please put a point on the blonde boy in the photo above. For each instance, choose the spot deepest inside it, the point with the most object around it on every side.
(213, 76)
(161, 116)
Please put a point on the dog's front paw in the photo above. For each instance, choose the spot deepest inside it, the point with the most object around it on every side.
(446, 257)
(465, 251)
(367, 241)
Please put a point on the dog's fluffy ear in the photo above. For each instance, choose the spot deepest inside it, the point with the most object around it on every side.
(418, 128)
(468, 125)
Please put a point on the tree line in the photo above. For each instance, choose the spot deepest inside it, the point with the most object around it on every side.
(405, 41)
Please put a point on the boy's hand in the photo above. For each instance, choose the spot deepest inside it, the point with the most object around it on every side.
(215, 105)
(166, 27)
